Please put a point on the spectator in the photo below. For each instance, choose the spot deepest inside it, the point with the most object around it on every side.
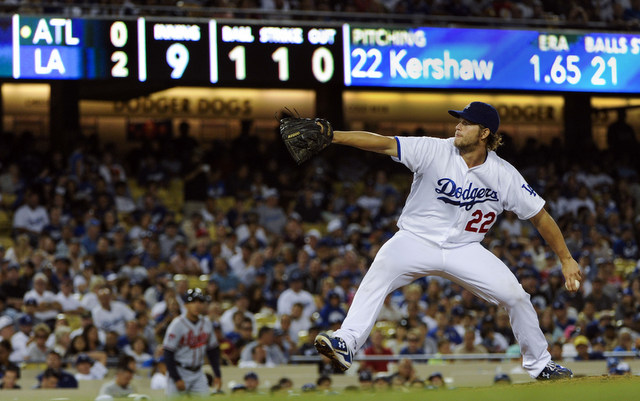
(192, 228)
(251, 382)
(89, 240)
(274, 356)
(50, 379)
(324, 384)
(469, 345)
(119, 387)
(444, 329)
(159, 374)
(415, 345)
(37, 349)
(258, 359)
(11, 181)
(626, 246)
(67, 299)
(582, 348)
(405, 373)
(12, 287)
(296, 294)
(626, 341)
(597, 297)
(10, 378)
(389, 312)
(492, 340)
(436, 380)
(22, 251)
(123, 201)
(63, 378)
(270, 215)
(228, 283)
(376, 347)
(21, 339)
(5, 351)
(138, 350)
(203, 255)
(111, 315)
(241, 305)
(62, 335)
(31, 217)
(182, 262)
(297, 322)
(331, 311)
(88, 369)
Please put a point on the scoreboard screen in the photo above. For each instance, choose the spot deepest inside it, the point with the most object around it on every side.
(235, 53)
(492, 59)
(5, 47)
(188, 52)
(269, 55)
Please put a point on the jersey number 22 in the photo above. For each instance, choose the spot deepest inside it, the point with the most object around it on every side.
(484, 220)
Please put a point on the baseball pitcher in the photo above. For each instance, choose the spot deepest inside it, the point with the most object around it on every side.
(459, 188)
(187, 339)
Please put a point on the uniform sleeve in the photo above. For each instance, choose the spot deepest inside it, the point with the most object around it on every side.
(214, 360)
(520, 197)
(417, 152)
(172, 336)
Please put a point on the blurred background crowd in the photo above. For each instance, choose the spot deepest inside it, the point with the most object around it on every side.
(98, 246)
(616, 14)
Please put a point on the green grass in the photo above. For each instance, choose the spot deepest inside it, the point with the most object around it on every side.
(578, 389)
(603, 388)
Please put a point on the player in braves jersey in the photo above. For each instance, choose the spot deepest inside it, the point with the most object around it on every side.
(459, 188)
(187, 339)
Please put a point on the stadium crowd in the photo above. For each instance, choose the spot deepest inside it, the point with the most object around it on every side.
(617, 14)
(99, 245)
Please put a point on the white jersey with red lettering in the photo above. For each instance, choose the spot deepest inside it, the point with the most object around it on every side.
(451, 204)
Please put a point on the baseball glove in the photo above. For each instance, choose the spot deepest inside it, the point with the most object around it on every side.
(305, 137)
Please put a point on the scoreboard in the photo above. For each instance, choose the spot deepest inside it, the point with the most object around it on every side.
(230, 53)
(493, 59)
(192, 52)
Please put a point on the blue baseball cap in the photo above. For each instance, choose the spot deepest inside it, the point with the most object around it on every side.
(25, 320)
(31, 302)
(84, 358)
(479, 113)
(251, 375)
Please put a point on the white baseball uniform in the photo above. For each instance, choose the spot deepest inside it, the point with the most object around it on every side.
(446, 215)
(190, 341)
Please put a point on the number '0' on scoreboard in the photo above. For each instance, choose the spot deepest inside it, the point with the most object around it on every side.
(277, 55)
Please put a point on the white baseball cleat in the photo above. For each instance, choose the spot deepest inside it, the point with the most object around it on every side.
(335, 349)
(553, 371)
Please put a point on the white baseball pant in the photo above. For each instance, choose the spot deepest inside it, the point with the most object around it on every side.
(407, 257)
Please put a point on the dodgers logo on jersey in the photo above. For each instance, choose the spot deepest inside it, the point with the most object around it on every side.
(464, 197)
(528, 188)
